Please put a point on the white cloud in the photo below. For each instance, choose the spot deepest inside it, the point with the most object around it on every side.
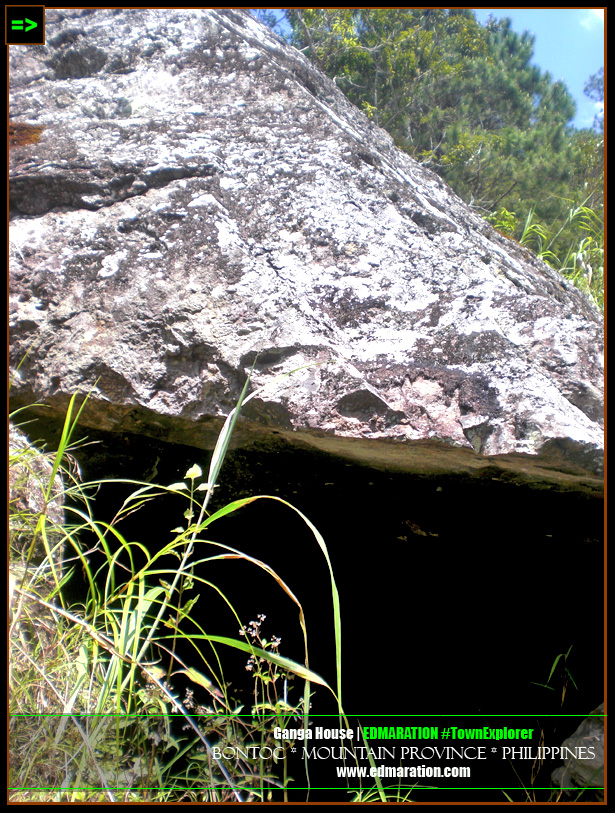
(592, 17)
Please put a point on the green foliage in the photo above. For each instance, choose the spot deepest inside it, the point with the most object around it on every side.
(504, 221)
(390, 62)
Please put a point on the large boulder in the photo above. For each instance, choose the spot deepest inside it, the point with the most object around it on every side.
(202, 200)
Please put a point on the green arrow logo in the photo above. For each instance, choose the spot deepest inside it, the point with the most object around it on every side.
(18, 25)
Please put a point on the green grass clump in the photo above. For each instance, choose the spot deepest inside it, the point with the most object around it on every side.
(93, 712)
(574, 246)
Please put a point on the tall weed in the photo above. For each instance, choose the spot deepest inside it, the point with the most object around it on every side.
(574, 245)
(93, 709)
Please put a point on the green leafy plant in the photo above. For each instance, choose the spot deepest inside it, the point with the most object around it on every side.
(504, 221)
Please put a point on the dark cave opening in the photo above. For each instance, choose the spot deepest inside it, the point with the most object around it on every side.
(457, 595)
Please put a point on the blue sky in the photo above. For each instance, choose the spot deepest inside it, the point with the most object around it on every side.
(569, 43)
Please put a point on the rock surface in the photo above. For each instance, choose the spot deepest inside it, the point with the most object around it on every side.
(586, 771)
(202, 194)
